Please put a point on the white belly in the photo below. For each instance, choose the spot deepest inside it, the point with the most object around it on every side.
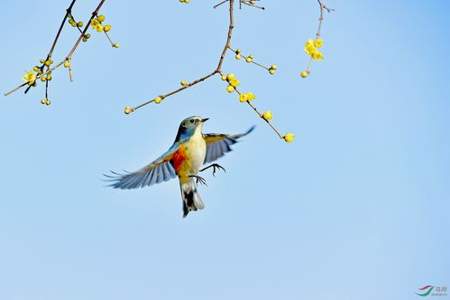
(196, 152)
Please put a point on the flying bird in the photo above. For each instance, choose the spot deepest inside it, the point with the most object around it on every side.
(185, 158)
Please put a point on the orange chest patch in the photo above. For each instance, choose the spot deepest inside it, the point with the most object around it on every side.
(178, 158)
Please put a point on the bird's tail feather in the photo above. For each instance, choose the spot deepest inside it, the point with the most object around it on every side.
(191, 198)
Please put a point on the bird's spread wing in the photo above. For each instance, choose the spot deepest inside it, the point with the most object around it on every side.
(158, 171)
(219, 144)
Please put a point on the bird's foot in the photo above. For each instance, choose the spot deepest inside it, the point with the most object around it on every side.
(199, 179)
(215, 168)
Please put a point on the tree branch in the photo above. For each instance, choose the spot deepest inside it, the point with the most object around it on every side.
(218, 70)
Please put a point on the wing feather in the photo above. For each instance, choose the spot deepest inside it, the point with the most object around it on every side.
(217, 145)
(156, 172)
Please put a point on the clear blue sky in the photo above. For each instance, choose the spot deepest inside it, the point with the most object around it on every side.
(357, 207)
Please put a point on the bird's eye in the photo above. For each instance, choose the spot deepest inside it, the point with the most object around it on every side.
(192, 120)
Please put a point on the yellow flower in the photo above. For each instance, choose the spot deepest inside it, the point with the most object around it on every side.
(158, 99)
(247, 97)
(72, 22)
(48, 62)
(99, 28)
(67, 63)
(318, 43)
(249, 58)
(243, 97)
(79, 24)
(230, 89)
(267, 115)
(317, 55)
(184, 1)
(234, 82)
(101, 18)
(95, 23)
(86, 37)
(107, 28)
(45, 101)
(237, 56)
(289, 137)
(273, 69)
(116, 45)
(311, 48)
(30, 77)
(224, 77)
(184, 83)
(251, 96)
(231, 76)
(128, 110)
(304, 74)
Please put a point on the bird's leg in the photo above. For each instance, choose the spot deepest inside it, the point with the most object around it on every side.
(199, 179)
(214, 166)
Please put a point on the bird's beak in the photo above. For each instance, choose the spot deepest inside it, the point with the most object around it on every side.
(204, 120)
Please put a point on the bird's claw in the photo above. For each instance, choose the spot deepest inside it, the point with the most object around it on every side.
(219, 167)
(199, 179)
(215, 168)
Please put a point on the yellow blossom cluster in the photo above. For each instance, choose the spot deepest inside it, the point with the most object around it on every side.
(97, 23)
(74, 23)
(312, 48)
(247, 97)
(233, 82)
(30, 78)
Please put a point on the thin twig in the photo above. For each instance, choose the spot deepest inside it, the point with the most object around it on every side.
(179, 90)
(68, 12)
(323, 8)
(229, 36)
(219, 4)
(252, 61)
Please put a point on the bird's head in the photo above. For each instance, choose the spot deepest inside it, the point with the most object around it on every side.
(189, 126)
